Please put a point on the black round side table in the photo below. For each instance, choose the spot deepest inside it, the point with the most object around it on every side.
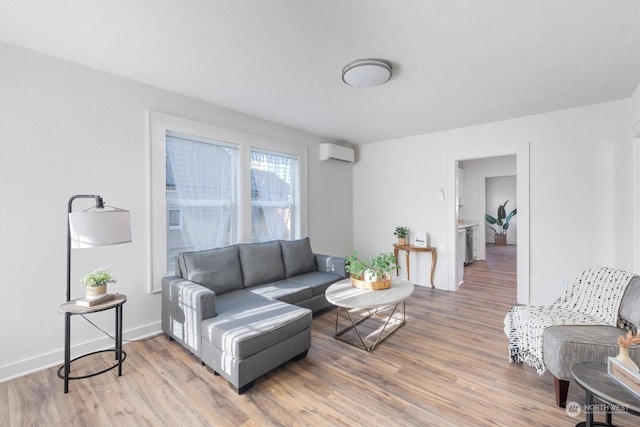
(69, 309)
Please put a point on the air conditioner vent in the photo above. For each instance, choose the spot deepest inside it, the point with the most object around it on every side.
(330, 152)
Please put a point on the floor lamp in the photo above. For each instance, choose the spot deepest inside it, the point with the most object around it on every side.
(97, 226)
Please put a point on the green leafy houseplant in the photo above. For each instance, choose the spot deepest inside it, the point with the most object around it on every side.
(377, 267)
(101, 276)
(401, 232)
(502, 220)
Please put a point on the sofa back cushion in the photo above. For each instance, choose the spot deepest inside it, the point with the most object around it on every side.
(297, 257)
(217, 269)
(630, 305)
(261, 263)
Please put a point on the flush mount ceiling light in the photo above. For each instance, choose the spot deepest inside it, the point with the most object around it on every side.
(366, 72)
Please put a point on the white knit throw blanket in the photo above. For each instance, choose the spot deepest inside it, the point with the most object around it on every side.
(593, 299)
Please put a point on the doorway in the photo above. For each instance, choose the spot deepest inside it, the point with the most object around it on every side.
(521, 153)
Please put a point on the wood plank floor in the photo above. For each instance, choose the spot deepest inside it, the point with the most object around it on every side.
(447, 366)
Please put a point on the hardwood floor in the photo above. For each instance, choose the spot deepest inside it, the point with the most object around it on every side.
(447, 366)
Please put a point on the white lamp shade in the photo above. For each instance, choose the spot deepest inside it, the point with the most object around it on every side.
(99, 228)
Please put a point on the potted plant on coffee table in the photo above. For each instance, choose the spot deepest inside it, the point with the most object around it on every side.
(374, 273)
(96, 282)
(501, 223)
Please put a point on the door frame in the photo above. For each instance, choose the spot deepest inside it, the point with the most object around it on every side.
(521, 151)
(635, 132)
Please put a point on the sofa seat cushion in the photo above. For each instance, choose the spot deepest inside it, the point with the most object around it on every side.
(317, 280)
(261, 263)
(566, 345)
(284, 290)
(297, 256)
(248, 323)
(216, 269)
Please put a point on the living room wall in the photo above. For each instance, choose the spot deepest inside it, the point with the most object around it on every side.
(67, 129)
(580, 179)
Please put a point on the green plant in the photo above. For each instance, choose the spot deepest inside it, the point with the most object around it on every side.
(100, 277)
(401, 231)
(502, 220)
(380, 266)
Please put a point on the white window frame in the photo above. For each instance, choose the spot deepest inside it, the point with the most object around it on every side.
(161, 123)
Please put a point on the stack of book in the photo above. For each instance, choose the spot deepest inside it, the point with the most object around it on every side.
(90, 302)
(624, 375)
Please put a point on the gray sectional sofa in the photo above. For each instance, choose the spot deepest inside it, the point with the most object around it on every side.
(245, 309)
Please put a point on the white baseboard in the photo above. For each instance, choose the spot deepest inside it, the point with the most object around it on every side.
(56, 358)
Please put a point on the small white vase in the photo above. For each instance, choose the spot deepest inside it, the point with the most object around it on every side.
(370, 276)
(624, 359)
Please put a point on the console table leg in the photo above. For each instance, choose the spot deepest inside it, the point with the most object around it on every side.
(434, 258)
(408, 267)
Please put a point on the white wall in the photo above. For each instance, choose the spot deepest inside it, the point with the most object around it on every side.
(580, 204)
(66, 129)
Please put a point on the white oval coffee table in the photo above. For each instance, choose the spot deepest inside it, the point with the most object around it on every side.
(387, 305)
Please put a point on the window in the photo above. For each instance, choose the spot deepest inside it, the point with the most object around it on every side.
(201, 194)
(212, 187)
(273, 201)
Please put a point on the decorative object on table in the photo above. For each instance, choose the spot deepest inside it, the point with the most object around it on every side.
(374, 273)
(401, 233)
(98, 226)
(421, 240)
(96, 282)
(623, 355)
(501, 222)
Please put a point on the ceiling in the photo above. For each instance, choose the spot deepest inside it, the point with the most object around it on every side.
(456, 62)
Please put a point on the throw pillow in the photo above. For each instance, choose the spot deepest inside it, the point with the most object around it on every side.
(217, 269)
(297, 256)
(261, 263)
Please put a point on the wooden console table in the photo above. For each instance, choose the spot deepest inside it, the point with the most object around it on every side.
(410, 248)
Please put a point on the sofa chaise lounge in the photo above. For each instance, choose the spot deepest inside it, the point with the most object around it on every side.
(245, 309)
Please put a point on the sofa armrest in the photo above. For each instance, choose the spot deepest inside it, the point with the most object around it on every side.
(185, 304)
(331, 264)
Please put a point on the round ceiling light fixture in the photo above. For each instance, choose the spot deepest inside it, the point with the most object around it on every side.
(366, 72)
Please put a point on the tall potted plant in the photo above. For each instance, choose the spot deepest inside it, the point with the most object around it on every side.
(501, 223)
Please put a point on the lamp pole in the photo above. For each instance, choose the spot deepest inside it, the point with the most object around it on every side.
(67, 315)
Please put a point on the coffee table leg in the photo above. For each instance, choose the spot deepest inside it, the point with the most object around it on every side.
(589, 411)
(379, 336)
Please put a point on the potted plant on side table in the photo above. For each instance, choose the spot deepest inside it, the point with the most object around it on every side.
(501, 222)
(96, 282)
(401, 233)
(374, 273)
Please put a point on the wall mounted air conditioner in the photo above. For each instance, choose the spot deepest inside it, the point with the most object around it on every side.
(336, 153)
